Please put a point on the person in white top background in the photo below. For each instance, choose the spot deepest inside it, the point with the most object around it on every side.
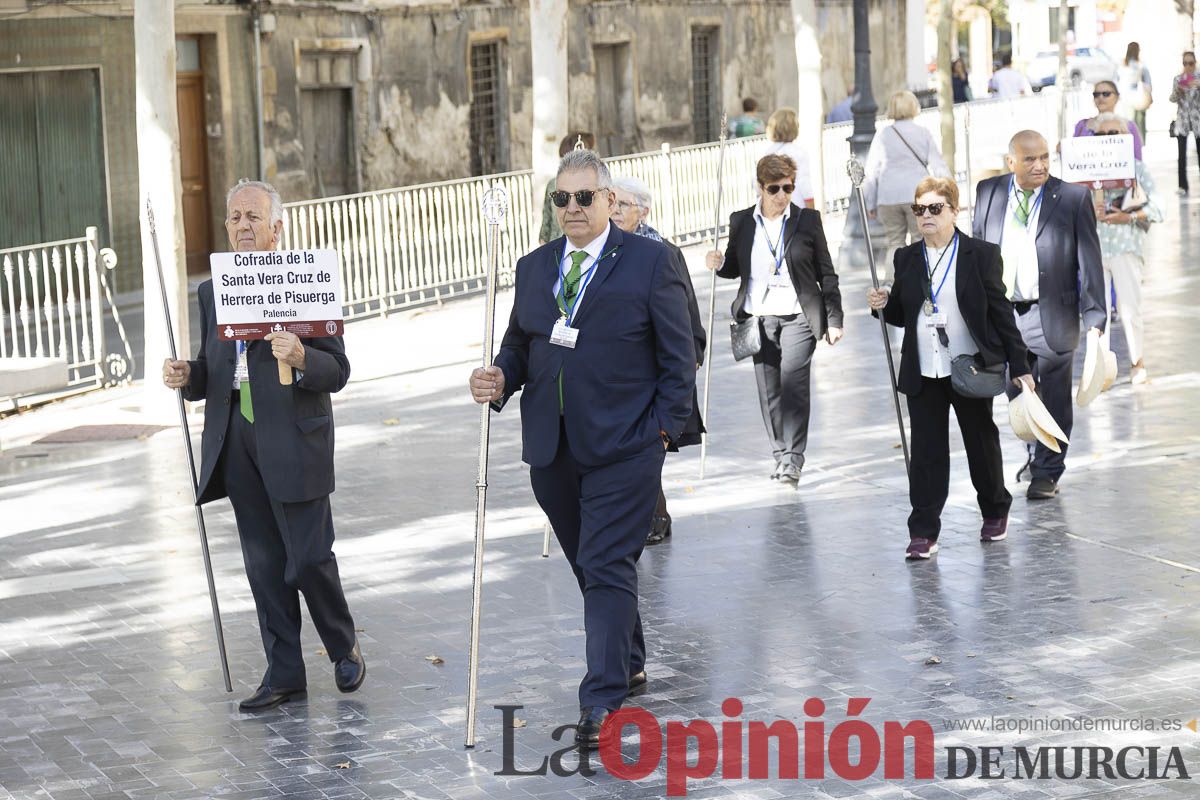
(901, 155)
(1008, 82)
(782, 130)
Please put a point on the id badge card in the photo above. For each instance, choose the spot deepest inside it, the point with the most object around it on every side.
(938, 319)
(780, 280)
(564, 335)
(241, 372)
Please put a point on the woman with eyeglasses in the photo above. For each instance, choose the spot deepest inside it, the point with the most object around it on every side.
(1106, 96)
(900, 156)
(1123, 217)
(1185, 93)
(790, 291)
(949, 297)
(632, 207)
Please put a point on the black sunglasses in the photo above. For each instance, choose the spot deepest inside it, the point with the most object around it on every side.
(776, 188)
(584, 197)
(1105, 93)
(933, 208)
(1110, 133)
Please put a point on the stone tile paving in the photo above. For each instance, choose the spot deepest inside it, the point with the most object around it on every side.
(110, 687)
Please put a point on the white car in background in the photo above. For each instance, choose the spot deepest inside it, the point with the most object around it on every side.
(1084, 65)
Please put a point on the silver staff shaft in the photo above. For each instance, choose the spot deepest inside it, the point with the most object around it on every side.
(187, 444)
(856, 177)
(495, 203)
(712, 300)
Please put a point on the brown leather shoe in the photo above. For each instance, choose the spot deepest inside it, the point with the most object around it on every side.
(994, 529)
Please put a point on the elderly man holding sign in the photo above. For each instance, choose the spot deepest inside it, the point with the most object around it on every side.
(268, 432)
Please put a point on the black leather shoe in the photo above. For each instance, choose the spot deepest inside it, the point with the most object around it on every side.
(350, 670)
(660, 530)
(266, 698)
(638, 684)
(1041, 489)
(587, 733)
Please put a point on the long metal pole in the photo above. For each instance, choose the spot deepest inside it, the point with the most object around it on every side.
(495, 206)
(854, 168)
(187, 444)
(712, 297)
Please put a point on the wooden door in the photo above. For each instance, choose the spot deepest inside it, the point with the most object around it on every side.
(193, 169)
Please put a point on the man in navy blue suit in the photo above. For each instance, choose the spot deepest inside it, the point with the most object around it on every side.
(601, 341)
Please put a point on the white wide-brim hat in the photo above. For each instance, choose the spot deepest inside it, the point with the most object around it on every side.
(1091, 382)
(1018, 419)
(1041, 421)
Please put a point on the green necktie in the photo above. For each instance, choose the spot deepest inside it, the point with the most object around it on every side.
(1023, 196)
(570, 290)
(244, 390)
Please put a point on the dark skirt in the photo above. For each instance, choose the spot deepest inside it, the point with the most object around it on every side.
(692, 429)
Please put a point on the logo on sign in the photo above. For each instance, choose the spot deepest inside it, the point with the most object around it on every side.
(277, 327)
(331, 327)
(228, 332)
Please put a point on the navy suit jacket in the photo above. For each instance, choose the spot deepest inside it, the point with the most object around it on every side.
(1071, 278)
(293, 425)
(633, 369)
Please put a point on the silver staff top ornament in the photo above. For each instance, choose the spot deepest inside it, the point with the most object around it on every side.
(494, 204)
(854, 169)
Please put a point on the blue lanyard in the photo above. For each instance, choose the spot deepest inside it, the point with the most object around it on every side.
(569, 309)
(945, 274)
(1012, 191)
(777, 251)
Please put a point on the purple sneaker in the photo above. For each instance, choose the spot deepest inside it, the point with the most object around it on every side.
(994, 530)
(920, 548)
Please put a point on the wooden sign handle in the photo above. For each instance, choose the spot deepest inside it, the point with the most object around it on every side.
(285, 374)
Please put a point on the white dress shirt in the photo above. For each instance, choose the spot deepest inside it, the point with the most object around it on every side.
(594, 249)
(761, 298)
(934, 358)
(1018, 246)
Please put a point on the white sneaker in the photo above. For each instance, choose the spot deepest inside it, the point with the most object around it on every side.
(1138, 376)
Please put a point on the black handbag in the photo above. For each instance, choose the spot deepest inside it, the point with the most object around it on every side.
(746, 337)
(970, 377)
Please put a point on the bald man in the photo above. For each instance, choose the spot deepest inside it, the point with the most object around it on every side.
(1053, 274)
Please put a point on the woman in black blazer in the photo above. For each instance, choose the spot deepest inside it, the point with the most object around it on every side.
(949, 297)
(778, 252)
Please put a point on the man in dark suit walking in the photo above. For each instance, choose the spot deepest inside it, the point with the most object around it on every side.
(1046, 230)
(601, 342)
(269, 448)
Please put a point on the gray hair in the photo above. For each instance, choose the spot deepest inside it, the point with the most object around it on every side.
(639, 190)
(1018, 136)
(1107, 116)
(276, 200)
(577, 160)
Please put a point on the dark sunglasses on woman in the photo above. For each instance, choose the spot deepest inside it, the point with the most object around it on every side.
(1105, 93)
(933, 208)
(584, 197)
(776, 188)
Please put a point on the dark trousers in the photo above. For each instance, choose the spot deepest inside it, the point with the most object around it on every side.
(929, 472)
(288, 551)
(781, 370)
(600, 516)
(1053, 372)
(1182, 142)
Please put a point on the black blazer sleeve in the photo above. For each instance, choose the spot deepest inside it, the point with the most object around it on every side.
(730, 267)
(698, 336)
(826, 276)
(893, 312)
(513, 358)
(1091, 268)
(326, 368)
(197, 385)
(1000, 312)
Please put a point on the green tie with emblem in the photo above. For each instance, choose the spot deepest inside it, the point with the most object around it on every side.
(1022, 214)
(570, 290)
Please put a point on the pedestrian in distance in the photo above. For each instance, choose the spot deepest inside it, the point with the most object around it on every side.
(1053, 273)
(550, 230)
(1106, 96)
(1136, 90)
(1185, 93)
(1007, 82)
(900, 156)
(748, 123)
(949, 298)
(782, 129)
(268, 447)
(841, 112)
(600, 341)
(633, 205)
(789, 290)
(960, 82)
(1124, 217)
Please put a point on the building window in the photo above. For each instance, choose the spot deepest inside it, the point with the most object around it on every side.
(706, 83)
(327, 121)
(489, 109)
(1054, 31)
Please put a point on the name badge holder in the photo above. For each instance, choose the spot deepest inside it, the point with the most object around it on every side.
(936, 319)
(241, 372)
(562, 334)
(779, 279)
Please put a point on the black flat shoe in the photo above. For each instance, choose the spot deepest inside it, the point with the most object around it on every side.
(587, 733)
(1041, 489)
(659, 531)
(350, 671)
(266, 697)
(638, 684)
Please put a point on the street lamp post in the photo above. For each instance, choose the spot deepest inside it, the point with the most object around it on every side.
(863, 107)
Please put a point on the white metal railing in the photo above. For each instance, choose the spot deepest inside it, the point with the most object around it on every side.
(50, 306)
(415, 244)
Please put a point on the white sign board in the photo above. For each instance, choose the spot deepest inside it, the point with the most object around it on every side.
(299, 291)
(1099, 162)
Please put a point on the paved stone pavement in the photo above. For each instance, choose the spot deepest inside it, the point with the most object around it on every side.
(110, 686)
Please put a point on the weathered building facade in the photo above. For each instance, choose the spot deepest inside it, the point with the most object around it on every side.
(378, 93)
